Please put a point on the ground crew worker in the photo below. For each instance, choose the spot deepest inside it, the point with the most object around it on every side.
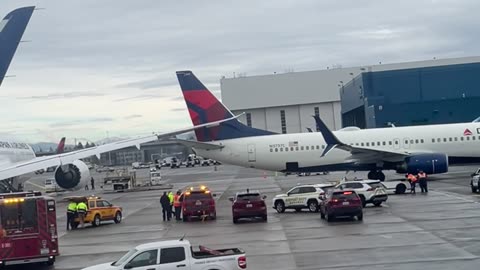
(422, 180)
(71, 211)
(170, 198)
(177, 204)
(82, 212)
(413, 182)
(92, 182)
(165, 203)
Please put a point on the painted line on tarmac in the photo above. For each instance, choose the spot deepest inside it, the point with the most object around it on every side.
(453, 196)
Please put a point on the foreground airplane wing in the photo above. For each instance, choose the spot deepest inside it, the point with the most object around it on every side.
(200, 145)
(66, 158)
(359, 154)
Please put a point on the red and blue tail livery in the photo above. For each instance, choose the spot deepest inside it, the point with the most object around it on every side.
(204, 107)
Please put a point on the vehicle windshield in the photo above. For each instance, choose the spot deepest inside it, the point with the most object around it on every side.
(249, 197)
(198, 196)
(344, 195)
(124, 258)
(155, 174)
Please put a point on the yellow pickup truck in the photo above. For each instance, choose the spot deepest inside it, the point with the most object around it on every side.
(98, 210)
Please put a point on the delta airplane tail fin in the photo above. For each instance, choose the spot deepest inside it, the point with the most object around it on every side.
(61, 146)
(12, 28)
(204, 107)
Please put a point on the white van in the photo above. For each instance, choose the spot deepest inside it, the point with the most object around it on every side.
(155, 178)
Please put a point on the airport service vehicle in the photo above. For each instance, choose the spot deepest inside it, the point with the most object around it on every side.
(175, 163)
(177, 254)
(117, 183)
(190, 162)
(155, 178)
(249, 204)
(338, 203)
(140, 165)
(205, 162)
(198, 202)
(474, 183)
(105, 169)
(431, 148)
(28, 232)
(369, 191)
(99, 210)
(301, 197)
(50, 185)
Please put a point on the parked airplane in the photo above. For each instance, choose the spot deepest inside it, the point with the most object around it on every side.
(429, 148)
(12, 28)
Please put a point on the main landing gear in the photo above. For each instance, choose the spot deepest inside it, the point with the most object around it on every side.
(376, 175)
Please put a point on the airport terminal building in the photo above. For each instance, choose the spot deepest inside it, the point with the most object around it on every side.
(410, 93)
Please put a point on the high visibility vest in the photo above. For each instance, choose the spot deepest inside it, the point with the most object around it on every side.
(170, 197)
(72, 207)
(82, 207)
(176, 201)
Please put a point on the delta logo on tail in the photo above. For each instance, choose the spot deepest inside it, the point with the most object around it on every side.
(467, 132)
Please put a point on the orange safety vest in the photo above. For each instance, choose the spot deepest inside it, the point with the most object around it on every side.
(176, 201)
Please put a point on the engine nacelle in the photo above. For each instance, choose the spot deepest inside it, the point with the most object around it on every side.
(72, 176)
(430, 163)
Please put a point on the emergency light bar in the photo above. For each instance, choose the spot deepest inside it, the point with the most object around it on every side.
(16, 200)
(20, 194)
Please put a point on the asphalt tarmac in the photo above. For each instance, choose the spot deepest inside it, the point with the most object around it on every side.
(438, 231)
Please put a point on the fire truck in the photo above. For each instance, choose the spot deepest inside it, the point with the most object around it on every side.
(28, 229)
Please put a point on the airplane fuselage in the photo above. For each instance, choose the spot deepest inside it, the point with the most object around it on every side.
(272, 152)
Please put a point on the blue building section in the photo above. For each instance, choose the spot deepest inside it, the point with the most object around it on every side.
(416, 96)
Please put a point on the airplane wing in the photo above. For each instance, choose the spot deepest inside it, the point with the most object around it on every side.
(200, 145)
(39, 163)
(359, 154)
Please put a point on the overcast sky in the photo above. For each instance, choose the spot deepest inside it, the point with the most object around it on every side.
(97, 67)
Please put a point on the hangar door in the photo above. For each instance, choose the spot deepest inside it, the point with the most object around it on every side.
(252, 156)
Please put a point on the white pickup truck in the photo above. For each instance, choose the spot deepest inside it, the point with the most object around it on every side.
(177, 254)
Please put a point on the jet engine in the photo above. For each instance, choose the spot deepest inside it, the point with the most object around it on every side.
(430, 163)
(72, 176)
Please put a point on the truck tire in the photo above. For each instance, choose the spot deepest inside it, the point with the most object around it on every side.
(280, 206)
(400, 189)
(96, 221)
(360, 217)
(265, 218)
(312, 206)
(185, 218)
(118, 217)
(235, 220)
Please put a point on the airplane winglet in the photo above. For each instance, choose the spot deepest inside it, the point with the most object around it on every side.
(331, 140)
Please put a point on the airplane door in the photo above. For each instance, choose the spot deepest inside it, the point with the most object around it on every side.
(252, 156)
(396, 143)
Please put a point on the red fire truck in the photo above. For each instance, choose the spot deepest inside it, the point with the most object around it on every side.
(28, 229)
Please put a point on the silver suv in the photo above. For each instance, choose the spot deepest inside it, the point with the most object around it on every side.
(369, 191)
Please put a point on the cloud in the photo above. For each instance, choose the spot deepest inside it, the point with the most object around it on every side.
(68, 95)
(139, 97)
(133, 116)
(178, 109)
(77, 122)
(149, 84)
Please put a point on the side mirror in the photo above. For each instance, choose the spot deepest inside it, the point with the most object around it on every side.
(264, 197)
(230, 199)
(128, 266)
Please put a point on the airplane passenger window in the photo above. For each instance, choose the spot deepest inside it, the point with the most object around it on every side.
(444, 139)
(416, 141)
(384, 143)
(450, 139)
(421, 140)
(276, 149)
(306, 147)
(281, 149)
(296, 148)
(411, 141)
(406, 141)
(286, 149)
(368, 144)
(473, 138)
(312, 148)
(396, 142)
(439, 140)
(433, 140)
(301, 147)
(318, 147)
(455, 138)
(461, 138)
(361, 144)
(373, 143)
(378, 143)
(390, 143)
(356, 144)
(291, 148)
(271, 150)
(468, 138)
(323, 146)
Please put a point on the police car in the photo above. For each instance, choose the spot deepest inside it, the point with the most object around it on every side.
(300, 197)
